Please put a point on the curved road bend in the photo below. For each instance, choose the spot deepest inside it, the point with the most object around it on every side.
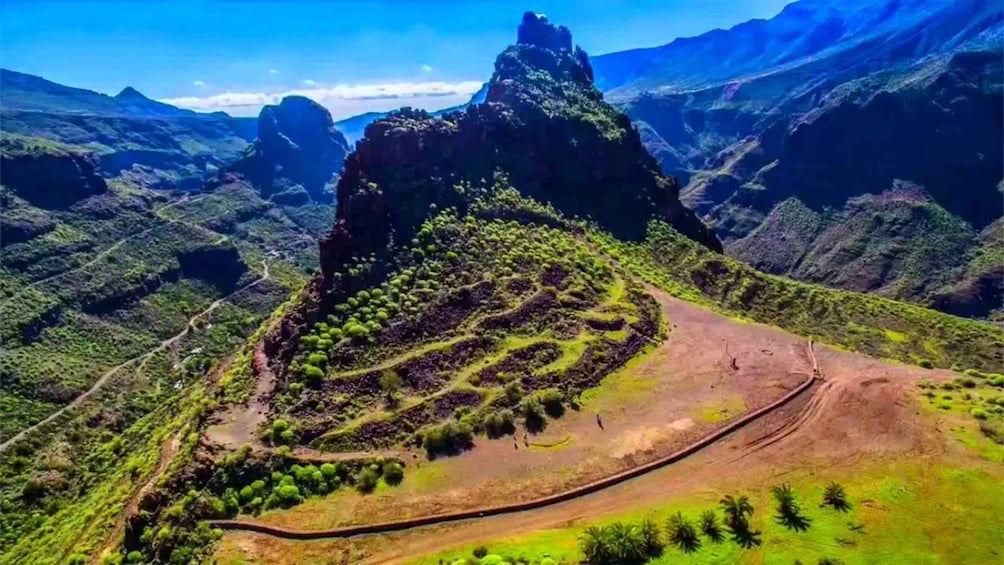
(556, 498)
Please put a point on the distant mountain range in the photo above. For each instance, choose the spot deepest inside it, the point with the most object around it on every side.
(853, 143)
(151, 143)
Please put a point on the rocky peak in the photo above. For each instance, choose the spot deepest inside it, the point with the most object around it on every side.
(536, 31)
(544, 126)
(130, 92)
(542, 60)
(297, 155)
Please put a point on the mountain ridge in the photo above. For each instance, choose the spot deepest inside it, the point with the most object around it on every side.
(743, 136)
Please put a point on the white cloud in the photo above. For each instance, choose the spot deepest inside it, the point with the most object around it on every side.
(426, 68)
(308, 82)
(273, 71)
(198, 83)
(342, 99)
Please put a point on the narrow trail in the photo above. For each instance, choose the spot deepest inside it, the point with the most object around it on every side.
(557, 498)
(167, 452)
(142, 359)
(107, 251)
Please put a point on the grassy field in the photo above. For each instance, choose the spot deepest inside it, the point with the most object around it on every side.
(908, 512)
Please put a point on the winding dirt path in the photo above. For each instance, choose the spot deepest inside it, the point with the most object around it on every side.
(142, 359)
(167, 452)
(550, 500)
(108, 250)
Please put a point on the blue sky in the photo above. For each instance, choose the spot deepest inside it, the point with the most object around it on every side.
(352, 56)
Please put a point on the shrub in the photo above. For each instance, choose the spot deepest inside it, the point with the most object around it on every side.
(993, 429)
(979, 413)
(514, 391)
(329, 471)
(357, 332)
(499, 423)
(533, 414)
(449, 438)
(393, 473)
(366, 480)
(552, 400)
(288, 494)
(390, 383)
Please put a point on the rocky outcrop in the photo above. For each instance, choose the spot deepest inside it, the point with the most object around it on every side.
(297, 155)
(536, 31)
(48, 175)
(543, 125)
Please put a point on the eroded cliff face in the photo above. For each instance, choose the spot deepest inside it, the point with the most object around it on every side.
(297, 155)
(935, 131)
(51, 178)
(543, 125)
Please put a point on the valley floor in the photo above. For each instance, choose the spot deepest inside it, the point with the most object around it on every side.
(859, 426)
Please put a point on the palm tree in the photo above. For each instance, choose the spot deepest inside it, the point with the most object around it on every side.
(736, 510)
(618, 544)
(652, 537)
(628, 544)
(789, 514)
(835, 496)
(595, 545)
(710, 527)
(737, 513)
(682, 534)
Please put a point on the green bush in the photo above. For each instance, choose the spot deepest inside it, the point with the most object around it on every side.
(288, 494)
(366, 480)
(329, 471)
(393, 473)
(979, 413)
(448, 439)
(552, 400)
(499, 423)
(965, 382)
(533, 414)
(514, 391)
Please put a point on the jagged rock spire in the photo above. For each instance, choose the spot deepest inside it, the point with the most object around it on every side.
(537, 31)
